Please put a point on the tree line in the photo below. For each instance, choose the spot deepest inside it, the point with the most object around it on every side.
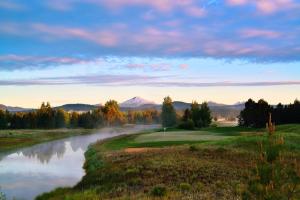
(47, 117)
(198, 116)
(256, 114)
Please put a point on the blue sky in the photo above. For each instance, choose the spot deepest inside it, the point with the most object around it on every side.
(95, 50)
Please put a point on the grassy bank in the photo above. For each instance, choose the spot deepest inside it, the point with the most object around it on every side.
(12, 139)
(211, 163)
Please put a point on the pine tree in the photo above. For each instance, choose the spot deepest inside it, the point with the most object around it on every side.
(168, 114)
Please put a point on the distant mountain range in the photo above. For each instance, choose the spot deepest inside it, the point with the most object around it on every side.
(138, 103)
(78, 107)
(13, 109)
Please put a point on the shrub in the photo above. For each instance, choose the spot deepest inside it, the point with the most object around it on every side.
(132, 172)
(188, 125)
(193, 148)
(274, 176)
(159, 191)
(93, 160)
(135, 181)
(185, 187)
(200, 186)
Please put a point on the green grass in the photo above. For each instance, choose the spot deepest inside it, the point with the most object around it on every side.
(179, 136)
(213, 161)
(12, 139)
(225, 137)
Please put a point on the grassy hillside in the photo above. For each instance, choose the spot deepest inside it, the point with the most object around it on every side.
(209, 164)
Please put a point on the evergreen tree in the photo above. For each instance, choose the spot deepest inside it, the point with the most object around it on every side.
(168, 114)
(46, 116)
(60, 118)
(3, 120)
(196, 114)
(205, 114)
(74, 120)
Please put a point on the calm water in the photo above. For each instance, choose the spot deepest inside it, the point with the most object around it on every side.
(40, 168)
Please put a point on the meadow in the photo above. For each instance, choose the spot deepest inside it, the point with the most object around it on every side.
(211, 163)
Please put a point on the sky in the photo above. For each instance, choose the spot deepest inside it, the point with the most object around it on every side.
(90, 51)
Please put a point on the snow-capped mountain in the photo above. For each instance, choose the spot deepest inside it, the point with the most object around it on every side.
(135, 102)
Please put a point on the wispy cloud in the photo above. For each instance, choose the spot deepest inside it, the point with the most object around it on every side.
(152, 66)
(13, 62)
(266, 6)
(104, 80)
(184, 66)
(118, 39)
(11, 5)
(253, 32)
(189, 7)
(103, 37)
(135, 80)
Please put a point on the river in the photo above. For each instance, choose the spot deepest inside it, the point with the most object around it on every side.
(28, 172)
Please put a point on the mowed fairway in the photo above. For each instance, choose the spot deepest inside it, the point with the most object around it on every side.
(180, 136)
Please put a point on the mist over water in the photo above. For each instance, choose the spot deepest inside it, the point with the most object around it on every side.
(28, 172)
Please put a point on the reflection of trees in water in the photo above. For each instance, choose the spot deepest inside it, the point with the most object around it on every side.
(82, 142)
(79, 142)
(2, 156)
(44, 152)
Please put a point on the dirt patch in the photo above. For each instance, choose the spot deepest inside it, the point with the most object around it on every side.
(139, 150)
(245, 133)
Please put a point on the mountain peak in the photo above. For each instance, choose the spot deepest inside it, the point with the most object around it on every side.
(135, 102)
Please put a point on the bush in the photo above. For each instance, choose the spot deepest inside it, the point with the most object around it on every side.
(193, 148)
(185, 187)
(187, 125)
(93, 160)
(200, 186)
(135, 181)
(132, 172)
(159, 191)
(274, 176)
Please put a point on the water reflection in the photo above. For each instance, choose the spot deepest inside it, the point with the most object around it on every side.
(43, 167)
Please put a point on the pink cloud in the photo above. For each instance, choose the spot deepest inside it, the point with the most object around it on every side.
(135, 66)
(172, 41)
(20, 58)
(271, 6)
(160, 66)
(153, 66)
(219, 48)
(189, 7)
(103, 37)
(195, 11)
(266, 6)
(184, 66)
(250, 33)
(237, 2)
(161, 5)
(13, 62)
(172, 23)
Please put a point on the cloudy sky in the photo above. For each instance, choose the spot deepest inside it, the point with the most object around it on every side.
(89, 51)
